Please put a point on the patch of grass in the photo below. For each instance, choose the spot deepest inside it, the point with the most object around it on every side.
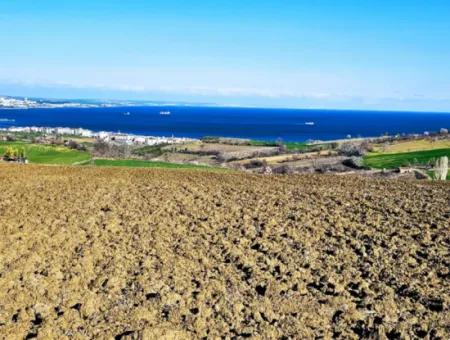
(149, 150)
(263, 143)
(137, 163)
(291, 146)
(395, 160)
(48, 154)
(296, 146)
(413, 145)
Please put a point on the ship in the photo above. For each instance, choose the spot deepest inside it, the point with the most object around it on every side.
(164, 113)
(309, 123)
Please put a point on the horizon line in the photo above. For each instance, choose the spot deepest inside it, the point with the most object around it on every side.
(212, 105)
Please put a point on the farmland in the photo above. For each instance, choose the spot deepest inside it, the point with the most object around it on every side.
(365, 156)
(393, 160)
(414, 145)
(48, 154)
(97, 252)
(137, 163)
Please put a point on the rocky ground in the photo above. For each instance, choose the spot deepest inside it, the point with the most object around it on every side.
(131, 254)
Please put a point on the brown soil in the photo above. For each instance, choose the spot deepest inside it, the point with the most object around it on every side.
(101, 253)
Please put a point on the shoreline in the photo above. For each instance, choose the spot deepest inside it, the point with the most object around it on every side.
(134, 138)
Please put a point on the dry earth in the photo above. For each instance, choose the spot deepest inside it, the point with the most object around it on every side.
(286, 158)
(104, 253)
(228, 151)
(414, 145)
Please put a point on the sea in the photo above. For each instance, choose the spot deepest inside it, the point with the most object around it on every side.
(253, 123)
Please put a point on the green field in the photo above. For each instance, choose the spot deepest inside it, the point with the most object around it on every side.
(395, 160)
(137, 163)
(296, 146)
(291, 146)
(48, 154)
(263, 143)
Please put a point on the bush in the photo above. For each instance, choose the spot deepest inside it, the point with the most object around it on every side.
(104, 149)
(10, 153)
(354, 162)
(150, 151)
(57, 141)
(75, 146)
(353, 149)
(284, 169)
(255, 163)
(13, 154)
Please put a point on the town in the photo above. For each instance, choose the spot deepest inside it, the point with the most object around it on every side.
(7, 102)
(105, 136)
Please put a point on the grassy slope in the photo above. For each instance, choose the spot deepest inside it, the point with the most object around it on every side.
(48, 154)
(291, 146)
(263, 143)
(149, 164)
(294, 146)
(394, 160)
(414, 145)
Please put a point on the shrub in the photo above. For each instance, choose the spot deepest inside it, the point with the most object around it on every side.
(255, 163)
(13, 154)
(150, 151)
(354, 162)
(104, 149)
(284, 169)
(75, 146)
(101, 148)
(353, 149)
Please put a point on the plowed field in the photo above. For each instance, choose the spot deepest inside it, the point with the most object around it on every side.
(145, 253)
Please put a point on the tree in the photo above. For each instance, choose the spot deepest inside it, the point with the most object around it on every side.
(11, 153)
(14, 154)
(353, 149)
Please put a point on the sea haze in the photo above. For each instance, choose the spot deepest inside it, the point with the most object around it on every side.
(255, 123)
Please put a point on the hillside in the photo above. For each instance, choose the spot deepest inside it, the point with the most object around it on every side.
(143, 253)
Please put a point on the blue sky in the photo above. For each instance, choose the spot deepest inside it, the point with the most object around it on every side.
(335, 54)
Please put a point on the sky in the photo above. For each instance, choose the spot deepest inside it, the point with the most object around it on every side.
(356, 54)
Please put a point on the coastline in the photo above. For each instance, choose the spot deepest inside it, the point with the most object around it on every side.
(130, 138)
(197, 122)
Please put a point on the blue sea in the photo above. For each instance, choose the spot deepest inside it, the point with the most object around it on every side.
(255, 123)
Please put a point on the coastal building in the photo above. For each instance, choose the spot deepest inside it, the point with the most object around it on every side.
(105, 136)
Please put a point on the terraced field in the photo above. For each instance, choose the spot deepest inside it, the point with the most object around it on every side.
(414, 145)
(92, 252)
(138, 163)
(393, 160)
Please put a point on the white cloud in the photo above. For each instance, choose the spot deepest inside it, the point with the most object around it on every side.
(245, 96)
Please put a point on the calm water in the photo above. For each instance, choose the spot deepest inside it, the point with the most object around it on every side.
(263, 124)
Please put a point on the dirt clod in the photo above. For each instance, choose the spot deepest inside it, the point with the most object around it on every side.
(131, 254)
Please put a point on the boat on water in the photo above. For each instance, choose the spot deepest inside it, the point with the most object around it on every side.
(126, 113)
(164, 113)
(309, 123)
